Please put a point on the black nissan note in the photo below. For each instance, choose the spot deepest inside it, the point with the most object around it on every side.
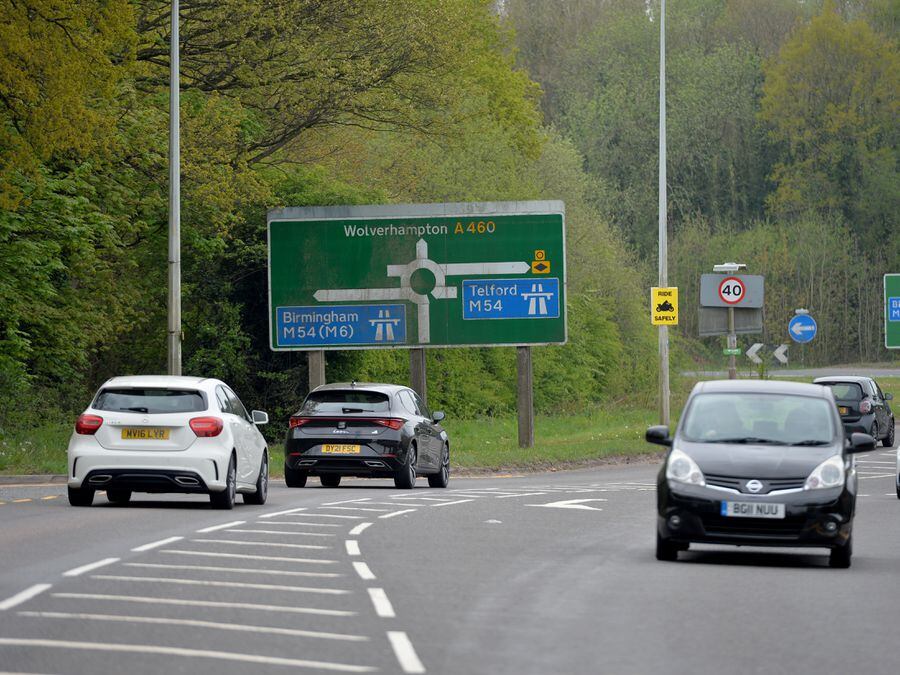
(758, 463)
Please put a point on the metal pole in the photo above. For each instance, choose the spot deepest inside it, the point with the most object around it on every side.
(663, 224)
(418, 374)
(174, 328)
(315, 364)
(525, 397)
(732, 344)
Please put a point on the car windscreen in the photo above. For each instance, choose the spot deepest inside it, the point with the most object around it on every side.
(345, 401)
(781, 419)
(150, 401)
(845, 391)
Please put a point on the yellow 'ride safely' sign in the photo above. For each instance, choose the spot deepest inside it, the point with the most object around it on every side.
(664, 306)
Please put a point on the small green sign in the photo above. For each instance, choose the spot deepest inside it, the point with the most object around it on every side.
(892, 311)
(731, 351)
(420, 275)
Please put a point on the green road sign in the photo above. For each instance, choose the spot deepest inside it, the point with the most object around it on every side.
(892, 311)
(731, 351)
(424, 275)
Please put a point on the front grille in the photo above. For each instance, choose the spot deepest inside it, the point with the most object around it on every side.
(787, 528)
(739, 483)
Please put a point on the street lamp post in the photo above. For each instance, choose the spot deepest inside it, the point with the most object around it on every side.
(174, 318)
(663, 229)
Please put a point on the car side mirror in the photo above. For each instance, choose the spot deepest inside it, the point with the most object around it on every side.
(259, 417)
(861, 442)
(658, 435)
(437, 416)
(888, 397)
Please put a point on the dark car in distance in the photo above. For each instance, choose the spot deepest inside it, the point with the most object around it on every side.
(758, 463)
(366, 430)
(862, 406)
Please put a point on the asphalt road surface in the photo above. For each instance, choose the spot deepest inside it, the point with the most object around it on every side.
(549, 573)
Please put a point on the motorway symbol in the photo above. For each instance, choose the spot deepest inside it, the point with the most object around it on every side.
(781, 354)
(731, 290)
(571, 504)
(751, 353)
(802, 328)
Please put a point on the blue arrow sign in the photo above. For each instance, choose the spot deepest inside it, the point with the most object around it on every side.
(802, 328)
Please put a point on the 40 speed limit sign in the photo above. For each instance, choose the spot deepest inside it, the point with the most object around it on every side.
(732, 290)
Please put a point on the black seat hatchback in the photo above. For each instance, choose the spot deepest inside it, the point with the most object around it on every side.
(758, 463)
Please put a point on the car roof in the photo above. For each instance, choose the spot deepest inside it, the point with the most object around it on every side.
(842, 378)
(179, 381)
(761, 387)
(381, 387)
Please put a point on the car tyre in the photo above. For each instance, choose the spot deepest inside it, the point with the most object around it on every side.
(874, 432)
(262, 485)
(898, 487)
(81, 496)
(442, 478)
(406, 474)
(889, 440)
(330, 481)
(665, 549)
(224, 500)
(840, 556)
(294, 478)
(118, 496)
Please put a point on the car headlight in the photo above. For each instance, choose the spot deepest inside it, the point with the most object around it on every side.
(681, 468)
(829, 474)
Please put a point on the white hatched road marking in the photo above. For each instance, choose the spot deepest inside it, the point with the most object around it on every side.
(236, 570)
(204, 603)
(359, 529)
(458, 501)
(290, 534)
(250, 556)
(221, 527)
(522, 494)
(332, 515)
(352, 547)
(244, 628)
(222, 584)
(347, 501)
(383, 606)
(355, 508)
(296, 524)
(283, 513)
(87, 568)
(180, 651)
(363, 571)
(397, 513)
(232, 542)
(156, 544)
(403, 650)
(24, 596)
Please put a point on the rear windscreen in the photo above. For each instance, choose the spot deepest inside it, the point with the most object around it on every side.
(150, 401)
(345, 402)
(845, 391)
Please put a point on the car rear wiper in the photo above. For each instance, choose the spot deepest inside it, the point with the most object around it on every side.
(812, 442)
(353, 410)
(749, 440)
(140, 410)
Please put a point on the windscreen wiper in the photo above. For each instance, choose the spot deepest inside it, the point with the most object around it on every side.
(140, 410)
(812, 442)
(749, 440)
(352, 410)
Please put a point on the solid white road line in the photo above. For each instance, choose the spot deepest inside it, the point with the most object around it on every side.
(359, 529)
(221, 527)
(355, 508)
(458, 501)
(397, 513)
(204, 603)
(404, 652)
(24, 596)
(297, 524)
(311, 547)
(352, 547)
(251, 556)
(156, 544)
(363, 571)
(347, 501)
(522, 494)
(290, 534)
(425, 499)
(282, 513)
(243, 628)
(87, 568)
(237, 570)
(222, 584)
(188, 653)
(383, 606)
(332, 515)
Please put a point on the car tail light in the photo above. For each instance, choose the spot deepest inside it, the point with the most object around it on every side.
(865, 407)
(390, 422)
(295, 422)
(88, 424)
(206, 427)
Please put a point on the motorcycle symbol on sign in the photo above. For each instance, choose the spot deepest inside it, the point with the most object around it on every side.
(665, 306)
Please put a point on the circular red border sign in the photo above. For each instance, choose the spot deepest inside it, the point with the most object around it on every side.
(740, 283)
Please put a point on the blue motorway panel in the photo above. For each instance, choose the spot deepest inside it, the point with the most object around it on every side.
(325, 325)
(511, 298)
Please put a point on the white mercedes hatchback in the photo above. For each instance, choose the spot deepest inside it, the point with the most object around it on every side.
(168, 434)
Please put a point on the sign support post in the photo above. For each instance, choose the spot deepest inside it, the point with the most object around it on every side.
(732, 344)
(315, 364)
(418, 376)
(525, 397)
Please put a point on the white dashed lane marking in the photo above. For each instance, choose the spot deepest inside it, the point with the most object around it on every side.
(352, 547)
(359, 529)
(363, 571)
(397, 513)
(403, 650)
(156, 544)
(87, 568)
(24, 596)
(383, 606)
